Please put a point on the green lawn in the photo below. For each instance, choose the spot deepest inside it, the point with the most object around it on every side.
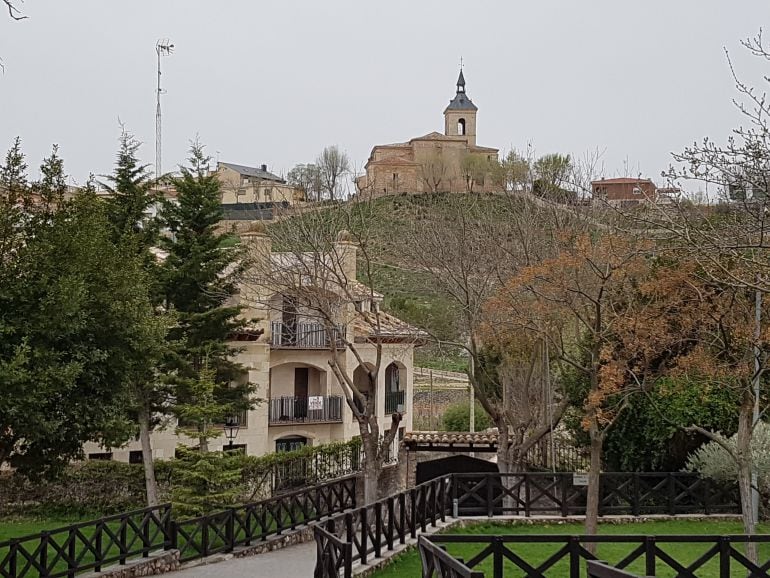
(407, 565)
(19, 527)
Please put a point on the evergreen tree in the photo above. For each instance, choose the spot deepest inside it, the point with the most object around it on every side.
(135, 233)
(70, 321)
(198, 281)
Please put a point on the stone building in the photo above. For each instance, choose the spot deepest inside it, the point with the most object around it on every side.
(289, 364)
(435, 162)
(244, 184)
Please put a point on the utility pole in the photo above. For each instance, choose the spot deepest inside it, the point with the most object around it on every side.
(162, 48)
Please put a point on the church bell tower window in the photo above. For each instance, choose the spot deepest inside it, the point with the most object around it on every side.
(461, 127)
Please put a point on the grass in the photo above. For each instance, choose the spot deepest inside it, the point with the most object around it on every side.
(408, 564)
(20, 527)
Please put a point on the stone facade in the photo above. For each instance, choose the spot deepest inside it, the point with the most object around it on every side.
(433, 162)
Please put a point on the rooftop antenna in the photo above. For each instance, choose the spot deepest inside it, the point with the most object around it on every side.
(162, 48)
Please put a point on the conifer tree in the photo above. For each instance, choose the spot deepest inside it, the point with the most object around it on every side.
(135, 232)
(198, 282)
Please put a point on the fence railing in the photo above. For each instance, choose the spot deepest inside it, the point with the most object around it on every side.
(289, 409)
(93, 545)
(87, 545)
(600, 569)
(304, 335)
(619, 493)
(378, 527)
(223, 531)
(437, 562)
(372, 529)
(722, 556)
(395, 401)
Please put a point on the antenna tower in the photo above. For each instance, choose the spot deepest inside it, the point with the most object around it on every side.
(162, 48)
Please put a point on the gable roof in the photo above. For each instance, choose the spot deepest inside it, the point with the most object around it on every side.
(252, 172)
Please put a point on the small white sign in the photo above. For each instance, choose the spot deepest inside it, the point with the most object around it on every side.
(315, 403)
(579, 479)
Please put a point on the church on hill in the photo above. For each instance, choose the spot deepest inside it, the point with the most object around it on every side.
(435, 162)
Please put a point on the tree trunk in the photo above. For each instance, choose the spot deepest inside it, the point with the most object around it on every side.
(594, 481)
(150, 483)
(743, 450)
(503, 448)
(372, 469)
(203, 441)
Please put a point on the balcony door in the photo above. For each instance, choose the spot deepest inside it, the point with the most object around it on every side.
(301, 375)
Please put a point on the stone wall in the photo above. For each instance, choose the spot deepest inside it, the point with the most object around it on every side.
(156, 563)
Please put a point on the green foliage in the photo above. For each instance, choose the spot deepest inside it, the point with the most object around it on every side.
(198, 279)
(206, 481)
(96, 488)
(70, 323)
(648, 436)
(713, 461)
(457, 417)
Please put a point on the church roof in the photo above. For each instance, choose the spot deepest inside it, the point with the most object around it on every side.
(461, 102)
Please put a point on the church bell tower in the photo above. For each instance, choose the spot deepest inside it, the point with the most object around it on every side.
(460, 115)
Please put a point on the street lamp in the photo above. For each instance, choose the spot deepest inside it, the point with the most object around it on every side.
(231, 427)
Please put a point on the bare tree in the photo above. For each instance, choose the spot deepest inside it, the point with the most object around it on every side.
(314, 274)
(434, 173)
(469, 245)
(333, 164)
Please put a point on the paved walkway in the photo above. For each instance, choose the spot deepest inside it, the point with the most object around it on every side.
(292, 562)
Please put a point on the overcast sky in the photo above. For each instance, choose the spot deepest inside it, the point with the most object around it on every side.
(275, 82)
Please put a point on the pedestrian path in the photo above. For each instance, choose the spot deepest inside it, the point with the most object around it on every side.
(293, 562)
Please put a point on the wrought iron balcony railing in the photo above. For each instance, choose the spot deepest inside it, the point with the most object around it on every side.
(312, 409)
(304, 335)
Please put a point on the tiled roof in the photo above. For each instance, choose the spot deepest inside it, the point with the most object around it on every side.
(488, 437)
(461, 102)
(365, 325)
(620, 181)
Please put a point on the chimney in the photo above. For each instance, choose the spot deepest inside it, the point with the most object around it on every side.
(264, 168)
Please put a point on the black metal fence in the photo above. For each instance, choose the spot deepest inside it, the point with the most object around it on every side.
(395, 401)
(721, 556)
(366, 532)
(116, 539)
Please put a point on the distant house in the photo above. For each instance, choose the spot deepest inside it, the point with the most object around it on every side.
(624, 192)
(244, 184)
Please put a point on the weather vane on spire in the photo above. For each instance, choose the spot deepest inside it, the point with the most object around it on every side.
(461, 63)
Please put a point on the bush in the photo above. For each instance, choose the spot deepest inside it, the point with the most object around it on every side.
(195, 482)
(457, 417)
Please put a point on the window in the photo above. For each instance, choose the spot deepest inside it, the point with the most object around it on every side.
(461, 127)
(290, 443)
(637, 191)
(100, 456)
(135, 457)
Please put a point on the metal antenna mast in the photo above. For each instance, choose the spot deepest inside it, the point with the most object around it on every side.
(162, 48)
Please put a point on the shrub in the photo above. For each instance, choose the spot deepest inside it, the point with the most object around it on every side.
(457, 417)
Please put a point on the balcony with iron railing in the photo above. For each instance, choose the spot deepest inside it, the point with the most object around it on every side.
(304, 335)
(289, 410)
(395, 401)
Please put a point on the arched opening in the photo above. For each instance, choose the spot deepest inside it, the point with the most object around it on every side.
(395, 384)
(363, 383)
(461, 127)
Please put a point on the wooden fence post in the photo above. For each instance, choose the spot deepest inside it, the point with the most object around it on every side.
(574, 557)
(649, 555)
(497, 560)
